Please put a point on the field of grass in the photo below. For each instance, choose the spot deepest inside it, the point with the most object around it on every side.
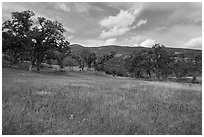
(81, 103)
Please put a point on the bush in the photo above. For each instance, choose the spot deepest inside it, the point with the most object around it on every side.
(68, 61)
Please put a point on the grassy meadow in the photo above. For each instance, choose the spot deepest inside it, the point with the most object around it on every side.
(52, 102)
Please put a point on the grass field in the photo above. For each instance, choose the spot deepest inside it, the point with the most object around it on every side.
(81, 103)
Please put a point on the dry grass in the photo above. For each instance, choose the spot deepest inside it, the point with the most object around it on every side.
(79, 103)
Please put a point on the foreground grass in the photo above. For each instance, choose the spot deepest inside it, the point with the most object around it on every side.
(75, 103)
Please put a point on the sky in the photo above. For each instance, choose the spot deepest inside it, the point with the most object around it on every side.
(177, 25)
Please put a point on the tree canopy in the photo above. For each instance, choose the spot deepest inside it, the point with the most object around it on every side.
(25, 39)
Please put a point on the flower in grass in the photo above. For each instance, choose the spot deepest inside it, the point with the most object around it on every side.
(71, 116)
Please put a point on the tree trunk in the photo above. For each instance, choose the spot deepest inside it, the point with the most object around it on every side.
(49, 63)
(31, 65)
(149, 73)
(12, 59)
(38, 66)
(61, 65)
(10, 63)
(158, 74)
(82, 67)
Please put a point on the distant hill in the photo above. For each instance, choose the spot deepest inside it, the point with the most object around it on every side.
(126, 50)
(117, 64)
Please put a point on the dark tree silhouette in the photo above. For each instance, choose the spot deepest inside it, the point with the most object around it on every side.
(42, 38)
(22, 38)
(59, 52)
(161, 61)
(99, 63)
(14, 34)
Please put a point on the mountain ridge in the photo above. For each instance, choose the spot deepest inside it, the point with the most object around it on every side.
(76, 44)
(128, 50)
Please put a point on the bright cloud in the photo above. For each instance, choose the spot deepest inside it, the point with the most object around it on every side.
(148, 43)
(115, 31)
(110, 41)
(117, 25)
(136, 45)
(194, 43)
(123, 19)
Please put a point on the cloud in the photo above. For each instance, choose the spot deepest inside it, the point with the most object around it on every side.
(70, 37)
(123, 19)
(133, 40)
(94, 42)
(89, 42)
(186, 13)
(110, 41)
(173, 13)
(136, 10)
(140, 22)
(117, 25)
(68, 29)
(148, 43)
(198, 21)
(115, 31)
(62, 6)
(194, 43)
(136, 45)
(82, 7)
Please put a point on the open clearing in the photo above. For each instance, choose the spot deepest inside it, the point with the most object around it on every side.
(80, 103)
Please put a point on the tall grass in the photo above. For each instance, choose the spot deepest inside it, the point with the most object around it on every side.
(88, 104)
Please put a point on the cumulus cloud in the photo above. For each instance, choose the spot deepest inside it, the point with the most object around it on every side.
(110, 41)
(117, 25)
(194, 43)
(62, 6)
(115, 31)
(148, 43)
(124, 18)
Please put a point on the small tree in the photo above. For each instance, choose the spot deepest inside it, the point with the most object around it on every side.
(80, 62)
(91, 59)
(198, 63)
(85, 56)
(180, 69)
(161, 61)
(99, 63)
(147, 62)
(139, 63)
(61, 51)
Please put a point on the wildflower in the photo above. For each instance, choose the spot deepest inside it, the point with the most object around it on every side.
(71, 116)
